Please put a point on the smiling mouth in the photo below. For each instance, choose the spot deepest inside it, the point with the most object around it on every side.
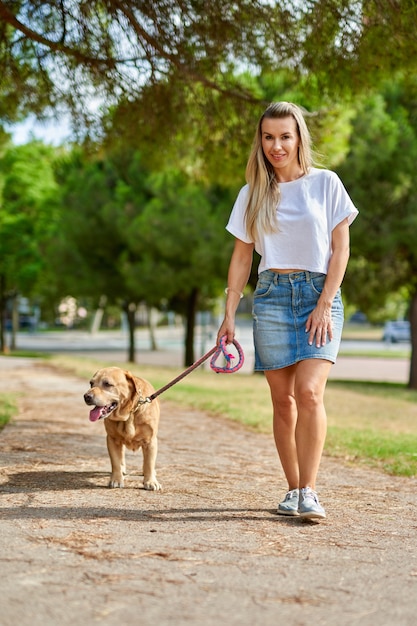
(102, 411)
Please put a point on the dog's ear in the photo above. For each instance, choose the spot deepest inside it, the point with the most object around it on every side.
(93, 378)
(132, 380)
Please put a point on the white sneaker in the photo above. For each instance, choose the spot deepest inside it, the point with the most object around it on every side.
(289, 505)
(310, 506)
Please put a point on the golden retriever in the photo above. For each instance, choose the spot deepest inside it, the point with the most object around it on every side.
(117, 397)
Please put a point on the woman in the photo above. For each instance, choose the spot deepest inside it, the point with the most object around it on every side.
(297, 218)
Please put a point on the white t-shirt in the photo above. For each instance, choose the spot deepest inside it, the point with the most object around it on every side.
(308, 211)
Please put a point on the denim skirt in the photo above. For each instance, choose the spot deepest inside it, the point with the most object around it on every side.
(281, 306)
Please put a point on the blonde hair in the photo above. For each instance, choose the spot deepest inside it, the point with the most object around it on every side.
(264, 193)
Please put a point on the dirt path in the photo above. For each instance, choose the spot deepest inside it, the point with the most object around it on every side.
(208, 549)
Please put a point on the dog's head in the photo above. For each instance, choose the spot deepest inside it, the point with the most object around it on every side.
(112, 393)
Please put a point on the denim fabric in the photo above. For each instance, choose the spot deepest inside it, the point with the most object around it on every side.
(281, 306)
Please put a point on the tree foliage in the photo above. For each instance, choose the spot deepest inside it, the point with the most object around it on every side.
(93, 229)
(89, 242)
(135, 236)
(379, 172)
(105, 52)
(182, 249)
(28, 219)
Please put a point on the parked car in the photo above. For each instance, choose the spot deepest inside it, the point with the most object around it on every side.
(358, 318)
(399, 330)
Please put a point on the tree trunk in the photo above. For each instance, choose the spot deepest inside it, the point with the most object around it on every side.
(2, 312)
(15, 321)
(151, 315)
(131, 323)
(190, 326)
(412, 381)
(98, 315)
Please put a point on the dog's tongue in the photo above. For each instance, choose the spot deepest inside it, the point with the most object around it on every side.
(95, 413)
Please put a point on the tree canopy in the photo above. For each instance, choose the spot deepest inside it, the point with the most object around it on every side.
(139, 237)
(101, 52)
(28, 220)
(379, 171)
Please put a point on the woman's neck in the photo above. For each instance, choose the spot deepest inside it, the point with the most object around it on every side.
(284, 176)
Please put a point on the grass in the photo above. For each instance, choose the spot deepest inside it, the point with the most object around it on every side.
(374, 424)
(366, 332)
(8, 408)
(395, 454)
(387, 353)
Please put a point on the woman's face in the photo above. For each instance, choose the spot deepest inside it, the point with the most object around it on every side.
(280, 142)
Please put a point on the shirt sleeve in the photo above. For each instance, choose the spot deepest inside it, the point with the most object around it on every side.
(236, 224)
(342, 205)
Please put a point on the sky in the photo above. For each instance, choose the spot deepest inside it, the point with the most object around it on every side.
(51, 132)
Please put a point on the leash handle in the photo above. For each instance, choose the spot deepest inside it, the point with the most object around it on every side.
(221, 349)
(215, 353)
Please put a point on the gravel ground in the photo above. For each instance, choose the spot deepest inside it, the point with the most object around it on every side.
(207, 550)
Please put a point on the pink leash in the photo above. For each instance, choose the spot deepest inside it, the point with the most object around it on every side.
(214, 353)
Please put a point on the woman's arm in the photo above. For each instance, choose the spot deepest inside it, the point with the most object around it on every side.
(319, 323)
(238, 275)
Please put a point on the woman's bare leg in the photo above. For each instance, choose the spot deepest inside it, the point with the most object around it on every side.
(310, 384)
(281, 383)
(300, 421)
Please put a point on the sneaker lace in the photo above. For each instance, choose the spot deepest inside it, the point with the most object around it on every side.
(291, 494)
(309, 493)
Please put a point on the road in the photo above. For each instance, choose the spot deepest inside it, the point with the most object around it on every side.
(113, 345)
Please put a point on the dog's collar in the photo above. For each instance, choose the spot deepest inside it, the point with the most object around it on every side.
(141, 401)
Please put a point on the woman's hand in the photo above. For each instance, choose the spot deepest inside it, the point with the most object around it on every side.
(319, 325)
(227, 328)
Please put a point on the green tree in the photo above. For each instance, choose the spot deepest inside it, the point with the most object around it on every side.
(135, 237)
(379, 172)
(138, 237)
(28, 220)
(74, 52)
(93, 232)
(181, 247)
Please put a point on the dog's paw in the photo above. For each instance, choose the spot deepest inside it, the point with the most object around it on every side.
(152, 485)
(114, 484)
